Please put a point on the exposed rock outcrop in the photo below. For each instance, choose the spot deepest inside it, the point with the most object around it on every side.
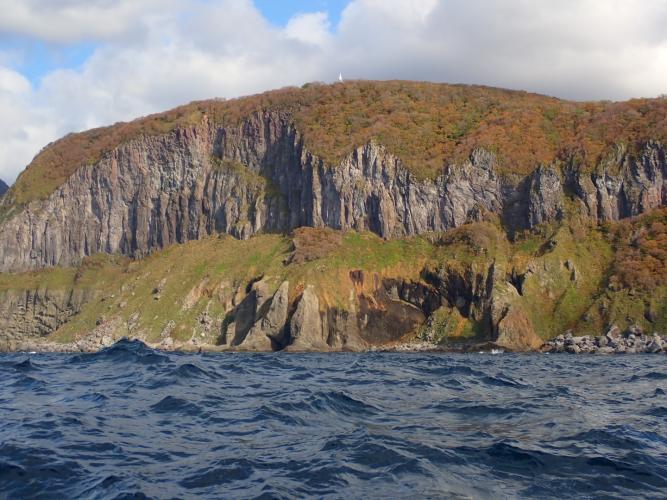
(469, 289)
(157, 190)
(544, 197)
(248, 312)
(624, 184)
(245, 170)
(27, 314)
(306, 324)
(268, 332)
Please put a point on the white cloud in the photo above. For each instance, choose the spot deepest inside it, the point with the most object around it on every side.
(155, 54)
(313, 28)
(13, 83)
(24, 128)
(74, 20)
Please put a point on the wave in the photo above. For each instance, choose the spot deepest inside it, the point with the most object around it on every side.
(171, 404)
(124, 351)
(651, 375)
(27, 365)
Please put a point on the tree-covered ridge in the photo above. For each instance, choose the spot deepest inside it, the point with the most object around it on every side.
(427, 125)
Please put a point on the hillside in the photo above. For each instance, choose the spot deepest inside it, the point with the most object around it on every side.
(343, 217)
(3, 187)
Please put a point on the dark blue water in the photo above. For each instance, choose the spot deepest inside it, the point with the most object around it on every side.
(130, 422)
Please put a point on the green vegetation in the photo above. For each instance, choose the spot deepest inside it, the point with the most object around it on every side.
(427, 125)
(447, 326)
(89, 274)
(173, 288)
(557, 293)
(205, 276)
(562, 276)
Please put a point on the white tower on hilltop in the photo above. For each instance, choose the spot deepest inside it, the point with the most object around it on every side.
(340, 77)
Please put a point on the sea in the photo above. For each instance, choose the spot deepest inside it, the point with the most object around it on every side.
(130, 422)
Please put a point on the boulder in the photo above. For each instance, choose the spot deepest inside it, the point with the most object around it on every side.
(654, 346)
(635, 330)
(613, 333)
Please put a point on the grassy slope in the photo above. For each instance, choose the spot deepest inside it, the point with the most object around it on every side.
(215, 268)
(425, 124)
(594, 289)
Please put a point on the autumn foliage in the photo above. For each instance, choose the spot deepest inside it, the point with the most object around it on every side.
(427, 125)
(313, 243)
(641, 258)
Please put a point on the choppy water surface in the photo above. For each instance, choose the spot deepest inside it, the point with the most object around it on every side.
(132, 422)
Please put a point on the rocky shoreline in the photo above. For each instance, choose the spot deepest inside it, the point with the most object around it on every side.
(614, 341)
(632, 341)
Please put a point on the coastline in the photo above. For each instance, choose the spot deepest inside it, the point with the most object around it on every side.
(613, 342)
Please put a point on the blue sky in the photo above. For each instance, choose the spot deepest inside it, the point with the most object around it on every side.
(34, 58)
(70, 65)
(279, 12)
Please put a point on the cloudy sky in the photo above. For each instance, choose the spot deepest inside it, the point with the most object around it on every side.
(68, 65)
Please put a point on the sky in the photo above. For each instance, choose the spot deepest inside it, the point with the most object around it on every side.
(70, 65)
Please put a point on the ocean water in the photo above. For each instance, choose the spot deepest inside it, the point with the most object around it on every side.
(130, 422)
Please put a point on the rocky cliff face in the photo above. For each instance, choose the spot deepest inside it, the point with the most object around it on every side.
(381, 311)
(26, 314)
(387, 311)
(3, 188)
(623, 185)
(154, 191)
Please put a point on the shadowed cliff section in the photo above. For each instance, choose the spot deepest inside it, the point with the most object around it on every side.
(3, 188)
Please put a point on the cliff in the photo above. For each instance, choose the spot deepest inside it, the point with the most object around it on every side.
(281, 161)
(3, 188)
(155, 191)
